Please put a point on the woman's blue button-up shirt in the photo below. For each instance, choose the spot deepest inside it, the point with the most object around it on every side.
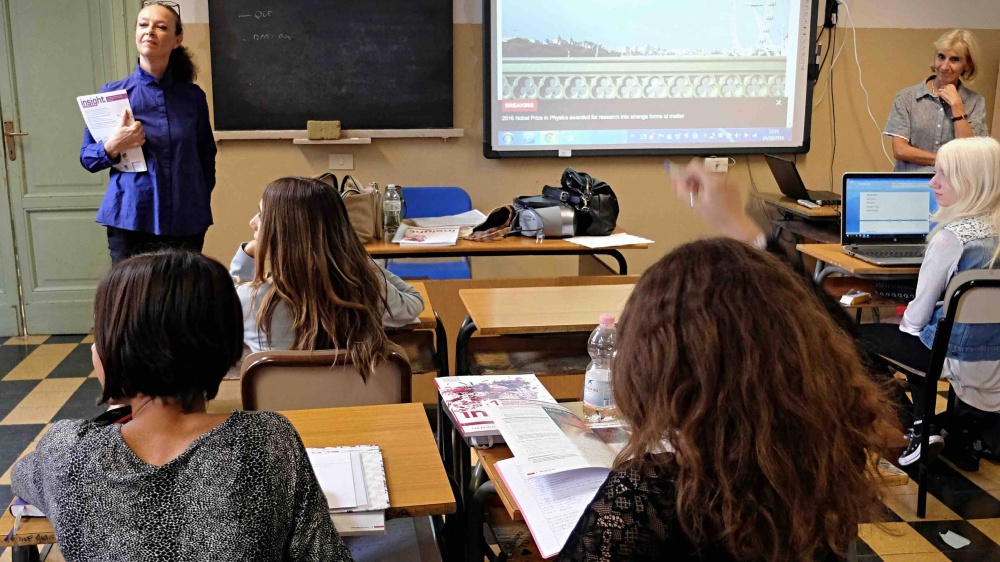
(172, 198)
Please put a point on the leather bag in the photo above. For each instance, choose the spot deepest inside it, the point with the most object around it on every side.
(364, 206)
(593, 200)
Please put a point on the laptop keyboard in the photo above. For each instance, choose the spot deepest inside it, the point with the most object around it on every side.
(916, 252)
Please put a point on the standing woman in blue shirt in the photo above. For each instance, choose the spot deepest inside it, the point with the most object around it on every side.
(168, 206)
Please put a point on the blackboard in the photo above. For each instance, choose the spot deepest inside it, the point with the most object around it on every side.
(371, 64)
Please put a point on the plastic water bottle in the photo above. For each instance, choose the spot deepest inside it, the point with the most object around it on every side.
(392, 208)
(598, 402)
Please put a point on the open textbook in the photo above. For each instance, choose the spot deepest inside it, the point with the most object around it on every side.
(103, 115)
(559, 464)
(547, 438)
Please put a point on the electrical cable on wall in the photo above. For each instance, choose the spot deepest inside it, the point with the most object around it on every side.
(854, 31)
(833, 110)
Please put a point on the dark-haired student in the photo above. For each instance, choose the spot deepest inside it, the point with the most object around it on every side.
(768, 433)
(175, 482)
(168, 206)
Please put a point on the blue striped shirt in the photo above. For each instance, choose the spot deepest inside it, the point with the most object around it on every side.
(172, 198)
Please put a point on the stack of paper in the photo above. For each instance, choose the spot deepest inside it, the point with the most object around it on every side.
(468, 218)
(353, 481)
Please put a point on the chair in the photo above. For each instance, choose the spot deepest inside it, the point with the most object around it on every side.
(296, 380)
(972, 297)
(422, 202)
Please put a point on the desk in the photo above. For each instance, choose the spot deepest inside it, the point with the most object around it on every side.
(830, 258)
(417, 481)
(535, 310)
(515, 245)
(522, 310)
(418, 485)
(488, 458)
(788, 206)
(427, 320)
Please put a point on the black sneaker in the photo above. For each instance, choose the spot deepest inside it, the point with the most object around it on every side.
(983, 451)
(961, 454)
(912, 452)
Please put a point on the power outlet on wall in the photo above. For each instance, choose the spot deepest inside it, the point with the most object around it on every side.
(341, 161)
(717, 164)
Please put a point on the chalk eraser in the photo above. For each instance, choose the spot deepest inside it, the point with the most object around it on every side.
(322, 130)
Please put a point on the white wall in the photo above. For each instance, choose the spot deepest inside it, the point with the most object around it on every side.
(902, 14)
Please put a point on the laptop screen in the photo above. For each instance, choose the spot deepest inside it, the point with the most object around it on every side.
(886, 208)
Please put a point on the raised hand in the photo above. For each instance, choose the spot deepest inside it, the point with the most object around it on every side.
(128, 135)
(716, 200)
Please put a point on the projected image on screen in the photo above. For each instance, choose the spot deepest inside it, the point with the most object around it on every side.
(647, 74)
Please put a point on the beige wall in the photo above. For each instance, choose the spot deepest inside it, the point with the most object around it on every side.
(890, 58)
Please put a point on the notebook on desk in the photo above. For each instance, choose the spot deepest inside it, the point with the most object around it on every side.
(790, 183)
(885, 217)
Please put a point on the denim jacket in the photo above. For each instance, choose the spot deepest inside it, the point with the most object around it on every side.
(969, 342)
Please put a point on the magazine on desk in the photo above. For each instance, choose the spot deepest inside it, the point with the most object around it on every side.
(426, 237)
(465, 400)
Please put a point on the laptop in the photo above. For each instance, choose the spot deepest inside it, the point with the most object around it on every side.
(885, 217)
(790, 183)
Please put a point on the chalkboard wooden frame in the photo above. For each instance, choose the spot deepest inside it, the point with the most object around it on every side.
(371, 64)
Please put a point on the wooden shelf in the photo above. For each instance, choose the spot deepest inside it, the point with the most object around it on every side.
(338, 141)
(348, 134)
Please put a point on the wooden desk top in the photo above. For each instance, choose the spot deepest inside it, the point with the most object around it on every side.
(531, 310)
(417, 481)
(414, 471)
(833, 254)
(33, 531)
(515, 243)
(788, 204)
(488, 458)
(426, 320)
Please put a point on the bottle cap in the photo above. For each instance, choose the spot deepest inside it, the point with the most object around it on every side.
(607, 320)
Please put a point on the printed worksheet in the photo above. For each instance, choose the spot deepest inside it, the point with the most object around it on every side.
(103, 115)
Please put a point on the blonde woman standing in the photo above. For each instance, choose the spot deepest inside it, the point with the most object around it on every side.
(940, 108)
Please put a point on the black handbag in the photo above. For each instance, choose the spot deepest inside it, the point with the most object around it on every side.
(594, 202)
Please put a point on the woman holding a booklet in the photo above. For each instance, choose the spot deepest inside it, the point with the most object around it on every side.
(169, 204)
(321, 290)
(171, 481)
(749, 441)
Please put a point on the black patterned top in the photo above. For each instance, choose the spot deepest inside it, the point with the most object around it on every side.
(632, 518)
(242, 491)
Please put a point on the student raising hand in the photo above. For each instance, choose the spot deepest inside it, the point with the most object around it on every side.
(716, 200)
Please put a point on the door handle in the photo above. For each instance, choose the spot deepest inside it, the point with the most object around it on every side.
(10, 133)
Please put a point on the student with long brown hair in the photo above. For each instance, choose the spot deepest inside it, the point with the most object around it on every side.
(308, 283)
(750, 440)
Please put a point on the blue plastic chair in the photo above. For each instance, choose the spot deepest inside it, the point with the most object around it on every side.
(422, 202)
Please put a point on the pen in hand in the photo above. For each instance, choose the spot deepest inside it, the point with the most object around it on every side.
(666, 166)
